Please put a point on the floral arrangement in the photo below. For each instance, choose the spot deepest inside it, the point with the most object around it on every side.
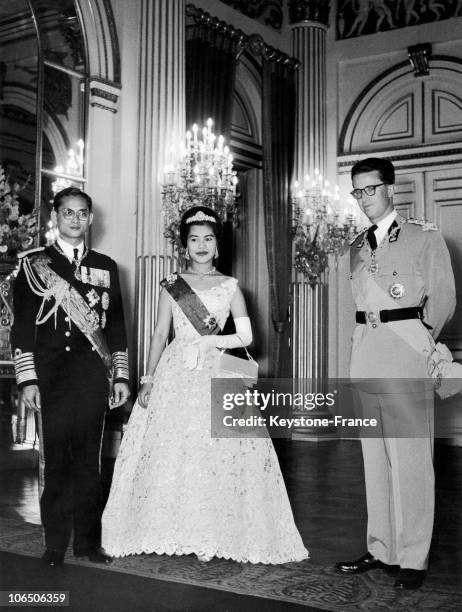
(17, 231)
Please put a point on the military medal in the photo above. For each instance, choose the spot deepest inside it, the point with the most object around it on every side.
(92, 297)
(103, 320)
(373, 267)
(77, 262)
(86, 278)
(397, 291)
(105, 300)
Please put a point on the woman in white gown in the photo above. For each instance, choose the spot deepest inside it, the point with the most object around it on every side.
(177, 490)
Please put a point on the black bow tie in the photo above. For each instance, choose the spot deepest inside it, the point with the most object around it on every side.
(371, 239)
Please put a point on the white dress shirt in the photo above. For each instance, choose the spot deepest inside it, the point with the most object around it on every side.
(383, 225)
(68, 249)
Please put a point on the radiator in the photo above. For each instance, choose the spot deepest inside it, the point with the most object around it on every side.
(309, 333)
(150, 270)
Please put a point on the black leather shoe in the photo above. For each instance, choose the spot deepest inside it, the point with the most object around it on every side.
(391, 570)
(95, 556)
(53, 558)
(364, 564)
(410, 579)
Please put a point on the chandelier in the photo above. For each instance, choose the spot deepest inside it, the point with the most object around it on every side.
(202, 176)
(319, 229)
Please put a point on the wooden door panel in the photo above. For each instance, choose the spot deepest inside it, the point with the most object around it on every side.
(443, 203)
(408, 194)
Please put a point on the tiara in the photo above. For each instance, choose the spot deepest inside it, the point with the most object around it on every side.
(200, 216)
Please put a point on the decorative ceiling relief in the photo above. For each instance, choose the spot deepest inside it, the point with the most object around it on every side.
(268, 12)
(360, 17)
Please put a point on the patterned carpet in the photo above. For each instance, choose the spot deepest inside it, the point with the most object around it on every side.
(302, 583)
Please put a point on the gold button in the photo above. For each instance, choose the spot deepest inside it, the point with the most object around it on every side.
(68, 348)
(374, 325)
(372, 317)
(66, 319)
(68, 333)
(93, 348)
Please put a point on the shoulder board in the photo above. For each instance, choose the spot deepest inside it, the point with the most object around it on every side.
(359, 234)
(30, 252)
(424, 224)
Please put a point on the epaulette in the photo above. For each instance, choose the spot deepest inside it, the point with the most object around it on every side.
(359, 234)
(424, 224)
(30, 252)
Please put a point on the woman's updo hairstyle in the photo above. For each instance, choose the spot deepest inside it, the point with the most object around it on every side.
(198, 216)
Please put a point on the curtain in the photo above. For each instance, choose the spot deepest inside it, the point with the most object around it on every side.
(210, 76)
(278, 121)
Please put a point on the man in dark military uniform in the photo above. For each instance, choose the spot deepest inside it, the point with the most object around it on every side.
(70, 352)
(403, 286)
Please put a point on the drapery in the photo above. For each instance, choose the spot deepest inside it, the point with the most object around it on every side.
(210, 75)
(278, 120)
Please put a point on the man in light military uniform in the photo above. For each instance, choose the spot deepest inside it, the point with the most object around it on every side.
(403, 286)
(69, 343)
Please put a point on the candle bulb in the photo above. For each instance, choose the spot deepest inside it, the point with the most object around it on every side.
(309, 215)
(235, 181)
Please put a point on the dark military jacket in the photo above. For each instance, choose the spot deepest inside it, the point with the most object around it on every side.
(58, 334)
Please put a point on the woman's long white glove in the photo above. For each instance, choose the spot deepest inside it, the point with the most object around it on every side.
(242, 337)
(195, 353)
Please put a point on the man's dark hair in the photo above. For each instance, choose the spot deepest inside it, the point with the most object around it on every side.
(384, 167)
(71, 192)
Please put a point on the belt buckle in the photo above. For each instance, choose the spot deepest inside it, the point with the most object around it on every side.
(372, 317)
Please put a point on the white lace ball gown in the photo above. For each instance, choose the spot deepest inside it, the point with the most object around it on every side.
(177, 490)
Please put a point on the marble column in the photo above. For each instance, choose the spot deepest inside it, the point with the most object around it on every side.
(161, 120)
(161, 125)
(309, 21)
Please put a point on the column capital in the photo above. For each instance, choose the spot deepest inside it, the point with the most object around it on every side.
(314, 11)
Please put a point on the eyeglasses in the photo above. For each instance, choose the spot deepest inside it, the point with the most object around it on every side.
(68, 214)
(368, 190)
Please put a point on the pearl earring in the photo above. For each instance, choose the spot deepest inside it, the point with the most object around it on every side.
(186, 255)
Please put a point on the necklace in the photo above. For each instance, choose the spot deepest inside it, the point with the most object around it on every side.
(201, 274)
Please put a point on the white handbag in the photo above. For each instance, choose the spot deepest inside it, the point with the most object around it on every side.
(229, 366)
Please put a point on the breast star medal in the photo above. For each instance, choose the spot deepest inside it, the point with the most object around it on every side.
(397, 290)
(105, 306)
(105, 300)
